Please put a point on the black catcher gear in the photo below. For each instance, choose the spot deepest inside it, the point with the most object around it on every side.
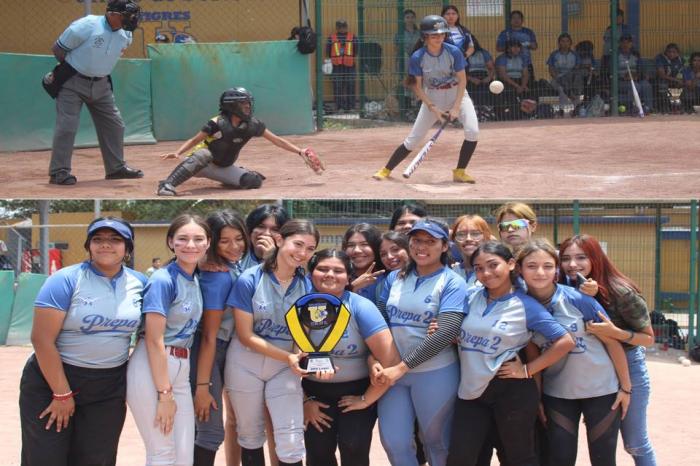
(230, 102)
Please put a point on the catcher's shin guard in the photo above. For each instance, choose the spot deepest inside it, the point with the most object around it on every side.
(184, 171)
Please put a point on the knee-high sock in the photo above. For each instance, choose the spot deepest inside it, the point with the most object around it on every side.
(465, 153)
(399, 154)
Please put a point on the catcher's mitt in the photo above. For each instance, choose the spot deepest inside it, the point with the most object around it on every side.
(312, 160)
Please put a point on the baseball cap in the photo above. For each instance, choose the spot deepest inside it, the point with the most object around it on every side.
(340, 23)
(122, 229)
(432, 228)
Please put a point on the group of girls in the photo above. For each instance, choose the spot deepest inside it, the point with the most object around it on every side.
(212, 338)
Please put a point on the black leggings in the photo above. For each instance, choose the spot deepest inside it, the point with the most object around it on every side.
(602, 426)
(93, 431)
(351, 433)
(510, 404)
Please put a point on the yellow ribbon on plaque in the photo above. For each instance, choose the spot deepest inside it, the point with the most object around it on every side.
(317, 311)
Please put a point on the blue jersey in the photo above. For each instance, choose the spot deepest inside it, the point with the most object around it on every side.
(514, 65)
(690, 75)
(370, 291)
(460, 38)
(524, 35)
(493, 333)
(101, 313)
(587, 370)
(438, 71)
(563, 63)
(413, 301)
(672, 68)
(93, 49)
(248, 260)
(477, 63)
(260, 294)
(216, 287)
(350, 354)
(175, 294)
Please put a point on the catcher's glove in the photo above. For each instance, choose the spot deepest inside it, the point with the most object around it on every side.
(312, 160)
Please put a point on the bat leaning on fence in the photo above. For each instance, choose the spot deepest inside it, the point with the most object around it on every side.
(635, 94)
(420, 156)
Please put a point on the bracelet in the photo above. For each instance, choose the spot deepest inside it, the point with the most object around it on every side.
(309, 398)
(165, 392)
(630, 337)
(527, 374)
(628, 392)
(209, 384)
(63, 396)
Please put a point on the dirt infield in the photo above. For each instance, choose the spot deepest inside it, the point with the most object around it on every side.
(673, 412)
(602, 158)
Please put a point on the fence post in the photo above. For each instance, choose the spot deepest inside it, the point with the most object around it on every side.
(657, 260)
(614, 58)
(400, 27)
(318, 24)
(692, 286)
(575, 220)
(506, 12)
(555, 225)
(360, 42)
(564, 15)
(44, 235)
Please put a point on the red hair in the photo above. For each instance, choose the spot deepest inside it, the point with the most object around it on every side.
(609, 278)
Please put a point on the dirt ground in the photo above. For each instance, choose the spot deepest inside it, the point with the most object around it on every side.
(601, 158)
(673, 415)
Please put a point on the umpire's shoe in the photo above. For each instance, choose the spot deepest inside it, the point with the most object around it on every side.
(125, 172)
(63, 177)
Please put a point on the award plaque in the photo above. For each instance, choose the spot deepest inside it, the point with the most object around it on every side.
(317, 311)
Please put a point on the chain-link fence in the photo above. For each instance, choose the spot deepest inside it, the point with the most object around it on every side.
(655, 244)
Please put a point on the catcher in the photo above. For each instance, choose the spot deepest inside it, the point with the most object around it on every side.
(212, 152)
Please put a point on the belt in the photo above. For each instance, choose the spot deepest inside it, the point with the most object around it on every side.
(88, 78)
(446, 86)
(178, 352)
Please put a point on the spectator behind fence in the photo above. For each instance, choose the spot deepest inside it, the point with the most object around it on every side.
(627, 56)
(512, 67)
(622, 30)
(525, 36)
(691, 76)
(669, 74)
(482, 70)
(405, 40)
(458, 35)
(341, 48)
(155, 265)
(567, 78)
(589, 67)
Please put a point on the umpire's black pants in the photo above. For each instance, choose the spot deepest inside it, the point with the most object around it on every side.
(351, 433)
(92, 435)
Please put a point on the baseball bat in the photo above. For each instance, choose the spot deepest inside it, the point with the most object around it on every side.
(420, 156)
(637, 100)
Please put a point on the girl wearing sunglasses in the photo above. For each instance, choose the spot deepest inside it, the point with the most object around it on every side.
(516, 223)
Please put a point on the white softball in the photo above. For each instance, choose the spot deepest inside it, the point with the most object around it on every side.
(686, 362)
(496, 87)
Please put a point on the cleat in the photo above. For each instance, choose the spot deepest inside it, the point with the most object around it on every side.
(166, 189)
(382, 174)
(459, 175)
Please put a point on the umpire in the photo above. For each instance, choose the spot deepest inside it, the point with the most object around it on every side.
(87, 52)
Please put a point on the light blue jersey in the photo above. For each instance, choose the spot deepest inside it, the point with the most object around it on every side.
(248, 260)
(587, 371)
(101, 313)
(350, 354)
(175, 294)
(525, 36)
(93, 49)
(216, 287)
(440, 71)
(260, 294)
(412, 302)
(468, 276)
(514, 64)
(563, 63)
(493, 333)
(477, 63)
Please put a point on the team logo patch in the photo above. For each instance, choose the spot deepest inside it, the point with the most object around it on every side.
(187, 307)
(318, 313)
(98, 43)
(85, 301)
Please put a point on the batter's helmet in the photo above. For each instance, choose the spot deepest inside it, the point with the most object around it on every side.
(230, 102)
(129, 10)
(433, 24)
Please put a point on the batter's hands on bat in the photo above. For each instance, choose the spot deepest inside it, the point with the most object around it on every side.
(312, 160)
(314, 416)
(437, 112)
(453, 114)
(202, 402)
(59, 413)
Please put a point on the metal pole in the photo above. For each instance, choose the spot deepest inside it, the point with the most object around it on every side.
(564, 15)
(506, 12)
(360, 42)
(318, 24)
(98, 208)
(555, 226)
(575, 219)
(44, 236)
(88, 7)
(692, 298)
(657, 260)
(614, 58)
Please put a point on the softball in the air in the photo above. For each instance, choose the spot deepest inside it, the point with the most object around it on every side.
(686, 362)
(496, 87)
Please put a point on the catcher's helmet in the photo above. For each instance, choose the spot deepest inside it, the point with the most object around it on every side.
(129, 10)
(433, 24)
(230, 102)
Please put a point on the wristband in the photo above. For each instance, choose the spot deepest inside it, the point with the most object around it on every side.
(63, 396)
(630, 337)
(628, 392)
(209, 384)
(309, 398)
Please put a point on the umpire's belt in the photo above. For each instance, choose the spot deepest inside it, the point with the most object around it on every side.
(446, 86)
(88, 78)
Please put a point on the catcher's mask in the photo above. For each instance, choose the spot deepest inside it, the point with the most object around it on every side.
(129, 10)
(230, 102)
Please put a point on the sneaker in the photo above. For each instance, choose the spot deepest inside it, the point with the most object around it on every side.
(382, 174)
(459, 175)
(166, 189)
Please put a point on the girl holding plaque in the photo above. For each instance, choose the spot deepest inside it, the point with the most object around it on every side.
(341, 412)
(424, 384)
(262, 368)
